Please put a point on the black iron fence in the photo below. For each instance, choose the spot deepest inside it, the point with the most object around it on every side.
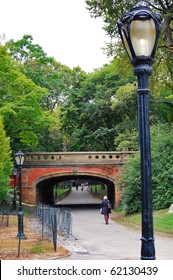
(54, 221)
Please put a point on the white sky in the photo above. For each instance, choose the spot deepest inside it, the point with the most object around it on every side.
(63, 28)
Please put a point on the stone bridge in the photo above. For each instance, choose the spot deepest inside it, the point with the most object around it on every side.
(42, 171)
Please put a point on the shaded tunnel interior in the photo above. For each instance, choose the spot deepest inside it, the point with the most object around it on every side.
(45, 188)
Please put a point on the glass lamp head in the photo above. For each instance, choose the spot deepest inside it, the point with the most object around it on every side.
(19, 158)
(139, 30)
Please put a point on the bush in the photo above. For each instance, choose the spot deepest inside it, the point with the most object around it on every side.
(131, 187)
(162, 173)
(162, 166)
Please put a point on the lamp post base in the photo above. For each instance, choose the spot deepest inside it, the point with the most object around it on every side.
(21, 236)
(147, 249)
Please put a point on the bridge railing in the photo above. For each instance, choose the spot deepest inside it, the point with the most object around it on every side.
(74, 158)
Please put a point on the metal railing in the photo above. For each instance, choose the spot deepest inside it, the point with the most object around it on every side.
(66, 222)
(54, 220)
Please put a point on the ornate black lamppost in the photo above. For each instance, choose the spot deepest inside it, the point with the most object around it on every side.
(14, 186)
(19, 159)
(139, 30)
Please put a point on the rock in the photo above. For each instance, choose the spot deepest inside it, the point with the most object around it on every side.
(170, 209)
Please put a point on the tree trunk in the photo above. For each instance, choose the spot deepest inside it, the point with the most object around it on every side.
(168, 33)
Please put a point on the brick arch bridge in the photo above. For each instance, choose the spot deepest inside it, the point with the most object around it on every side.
(41, 171)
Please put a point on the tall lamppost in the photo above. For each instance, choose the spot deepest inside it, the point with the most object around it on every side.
(139, 30)
(19, 158)
(14, 186)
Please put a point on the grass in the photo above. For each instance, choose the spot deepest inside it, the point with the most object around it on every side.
(162, 220)
(37, 249)
(61, 191)
(98, 191)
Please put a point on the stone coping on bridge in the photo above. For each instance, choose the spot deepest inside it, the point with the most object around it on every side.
(76, 158)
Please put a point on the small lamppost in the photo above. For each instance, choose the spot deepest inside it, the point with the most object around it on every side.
(139, 30)
(19, 159)
(14, 186)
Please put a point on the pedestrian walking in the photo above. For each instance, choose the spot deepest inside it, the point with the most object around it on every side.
(106, 209)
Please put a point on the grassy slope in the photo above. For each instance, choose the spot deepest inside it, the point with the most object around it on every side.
(163, 221)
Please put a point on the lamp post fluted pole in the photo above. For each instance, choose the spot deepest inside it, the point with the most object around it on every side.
(14, 185)
(20, 234)
(143, 69)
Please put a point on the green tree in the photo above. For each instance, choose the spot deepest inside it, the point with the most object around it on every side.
(58, 80)
(20, 101)
(44, 71)
(88, 116)
(5, 162)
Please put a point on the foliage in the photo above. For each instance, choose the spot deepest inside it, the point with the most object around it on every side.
(44, 71)
(162, 166)
(77, 111)
(125, 103)
(162, 170)
(5, 162)
(127, 139)
(58, 80)
(20, 101)
(131, 187)
(89, 116)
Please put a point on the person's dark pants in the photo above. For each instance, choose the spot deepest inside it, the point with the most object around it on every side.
(106, 216)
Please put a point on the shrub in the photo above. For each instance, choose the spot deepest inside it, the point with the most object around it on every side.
(162, 173)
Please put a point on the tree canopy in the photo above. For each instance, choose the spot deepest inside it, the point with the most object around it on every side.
(20, 100)
(52, 107)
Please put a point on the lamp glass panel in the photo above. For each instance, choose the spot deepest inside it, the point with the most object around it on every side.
(126, 44)
(17, 159)
(22, 159)
(143, 36)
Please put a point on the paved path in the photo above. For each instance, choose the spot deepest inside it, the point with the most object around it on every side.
(95, 240)
(79, 197)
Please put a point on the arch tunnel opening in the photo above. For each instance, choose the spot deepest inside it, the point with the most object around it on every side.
(45, 190)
